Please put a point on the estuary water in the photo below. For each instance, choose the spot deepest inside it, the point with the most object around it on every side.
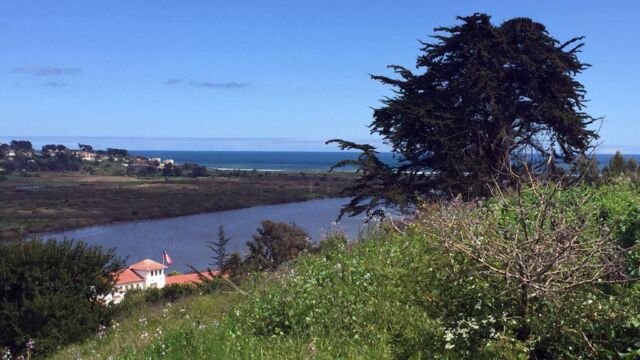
(185, 238)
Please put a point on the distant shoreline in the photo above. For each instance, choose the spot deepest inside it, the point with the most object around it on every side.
(291, 161)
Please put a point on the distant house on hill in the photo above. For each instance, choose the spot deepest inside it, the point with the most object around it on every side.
(146, 274)
(86, 155)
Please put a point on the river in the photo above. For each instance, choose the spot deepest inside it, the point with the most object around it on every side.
(185, 238)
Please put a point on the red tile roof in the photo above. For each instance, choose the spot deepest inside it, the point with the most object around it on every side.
(147, 265)
(191, 278)
(128, 276)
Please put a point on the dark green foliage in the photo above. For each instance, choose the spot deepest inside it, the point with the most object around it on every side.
(53, 148)
(275, 244)
(488, 97)
(62, 161)
(195, 170)
(632, 166)
(50, 292)
(4, 148)
(47, 148)
(618, 167)
(85, 147)
(171, 170)
(117, 152)
(234, 266)
(219, 248)
(142, 170)
(21, 145)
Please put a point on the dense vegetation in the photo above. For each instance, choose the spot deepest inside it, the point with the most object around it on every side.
(275, 244)
(50, 293)
(61, 162)
(487, 97)
(401, 291)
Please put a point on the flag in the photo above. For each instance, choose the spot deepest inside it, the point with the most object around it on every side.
(166, 257)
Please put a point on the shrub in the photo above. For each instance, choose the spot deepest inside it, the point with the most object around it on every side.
(333, 241)
(275, 244)
(50, 292)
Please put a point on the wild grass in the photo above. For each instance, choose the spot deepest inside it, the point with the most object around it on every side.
(140, 325)
(394, 294)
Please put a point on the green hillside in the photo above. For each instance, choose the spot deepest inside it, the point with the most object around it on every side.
(398, 293)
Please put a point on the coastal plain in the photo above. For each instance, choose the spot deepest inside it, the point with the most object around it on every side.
(55, 201)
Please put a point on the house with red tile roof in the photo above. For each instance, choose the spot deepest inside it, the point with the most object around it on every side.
(148, 274)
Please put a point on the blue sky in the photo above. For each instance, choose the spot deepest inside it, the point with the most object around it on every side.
(262, 75)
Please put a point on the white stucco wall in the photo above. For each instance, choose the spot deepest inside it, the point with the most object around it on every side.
(156, 277)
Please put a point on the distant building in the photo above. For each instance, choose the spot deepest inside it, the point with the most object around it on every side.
(146, 274)
(168, 161)
(87, 155)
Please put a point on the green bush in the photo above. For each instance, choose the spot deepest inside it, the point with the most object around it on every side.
(50, 293)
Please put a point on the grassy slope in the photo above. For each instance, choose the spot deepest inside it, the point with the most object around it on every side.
(392, 296)
(343, 303)
(141, 325)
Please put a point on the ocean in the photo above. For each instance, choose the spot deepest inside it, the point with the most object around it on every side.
(259, 160)
(282, 160)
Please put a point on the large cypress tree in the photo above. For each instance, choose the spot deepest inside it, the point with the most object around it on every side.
(487, 98)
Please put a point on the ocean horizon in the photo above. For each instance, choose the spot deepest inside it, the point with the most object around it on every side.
(284, 160)
(260, 160)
